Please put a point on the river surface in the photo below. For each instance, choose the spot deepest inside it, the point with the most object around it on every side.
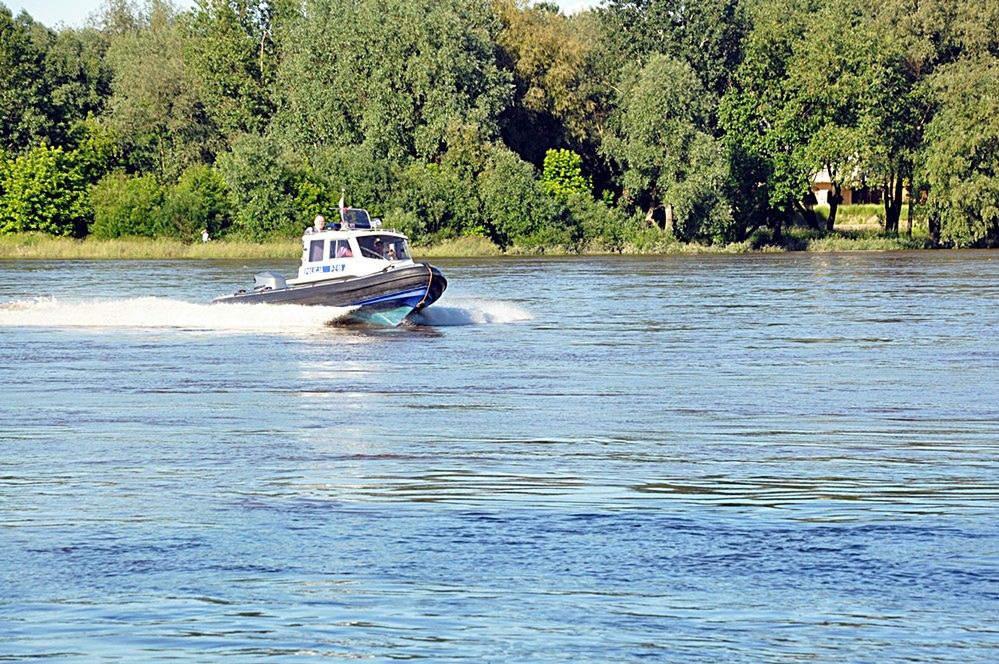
(780, 458)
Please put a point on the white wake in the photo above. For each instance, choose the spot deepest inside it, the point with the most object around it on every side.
(471, 312)
(164, 313)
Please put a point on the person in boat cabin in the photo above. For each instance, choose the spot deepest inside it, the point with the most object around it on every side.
(390, 253)
(343, 249)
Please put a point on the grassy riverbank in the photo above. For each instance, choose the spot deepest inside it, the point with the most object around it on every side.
(42, 247)
(39, 246)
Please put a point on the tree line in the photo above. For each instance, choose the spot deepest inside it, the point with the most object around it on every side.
(642, 119)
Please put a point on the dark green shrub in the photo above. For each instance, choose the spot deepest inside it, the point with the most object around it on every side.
(444, 204)
(199, 201)
(262, 190)
(517, 209)
(603, 227)
(366, 178)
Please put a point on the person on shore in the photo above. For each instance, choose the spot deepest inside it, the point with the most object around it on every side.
(204, 235)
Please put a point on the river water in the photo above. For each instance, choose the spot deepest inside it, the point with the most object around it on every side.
(728, 458)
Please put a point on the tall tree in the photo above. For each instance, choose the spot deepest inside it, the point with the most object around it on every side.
(155, 107)
(25, 116)
(827, 77)
(43, 190)
(673, 168)
(706, 34)
(763, 130)
(961, 153)
(398, 74)
(233, 59)
(560, 96)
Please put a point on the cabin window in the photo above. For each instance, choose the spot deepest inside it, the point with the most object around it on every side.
(340, 249)
(399, 247)
(385, 247)
(316, 251)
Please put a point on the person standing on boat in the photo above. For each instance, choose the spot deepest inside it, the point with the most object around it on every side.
(320, 222)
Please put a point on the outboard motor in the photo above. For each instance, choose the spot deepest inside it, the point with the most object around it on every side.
(268, 281)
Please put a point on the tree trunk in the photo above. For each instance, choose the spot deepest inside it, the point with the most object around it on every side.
(807, 213)
(908, 221)
(835, 198)
(777, 225)
(897, 204)
(893, 204)
(935, 229)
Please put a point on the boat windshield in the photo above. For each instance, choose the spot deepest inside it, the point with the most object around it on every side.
(385, 247)
(356, 218)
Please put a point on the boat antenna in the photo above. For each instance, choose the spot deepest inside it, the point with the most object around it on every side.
(343, 206)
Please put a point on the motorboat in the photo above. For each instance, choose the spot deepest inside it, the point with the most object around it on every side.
(354, 264)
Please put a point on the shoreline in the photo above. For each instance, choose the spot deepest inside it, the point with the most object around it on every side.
(40, 247)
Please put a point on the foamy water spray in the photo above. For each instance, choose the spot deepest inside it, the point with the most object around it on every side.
(471, 312)
(163, 313)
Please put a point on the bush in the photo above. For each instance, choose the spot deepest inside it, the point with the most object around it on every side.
(198, 201)
(407, 222)
(43, 190)
(262, 190)
(444, 203)
(562, 175)
(603, 227)
(516, 208)
(367, 178)
(126, 206)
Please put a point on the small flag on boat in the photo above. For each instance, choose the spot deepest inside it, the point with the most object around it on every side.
(343, 207)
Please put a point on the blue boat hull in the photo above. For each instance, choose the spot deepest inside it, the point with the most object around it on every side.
(385, 298)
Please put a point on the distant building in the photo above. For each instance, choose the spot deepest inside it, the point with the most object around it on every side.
(852, 194)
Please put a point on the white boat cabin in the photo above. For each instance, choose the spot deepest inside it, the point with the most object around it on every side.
(354, 248)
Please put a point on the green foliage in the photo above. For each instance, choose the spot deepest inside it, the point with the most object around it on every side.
(262, 189)
(397, 75)
(43, 190)
(563, 175)
(962, 153)
(97, 149)
(699, 123)
(560, 91)
(199, 201)
(139, 206)
(603, 227)
(516, 208)
(443, 203)
(155, 107)
(355, 169)
(77, 79)
(764, 132)
(706, 34)
(232, 55)
(24, 118)
(670, 162)
(407, 222)
(126, 206)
